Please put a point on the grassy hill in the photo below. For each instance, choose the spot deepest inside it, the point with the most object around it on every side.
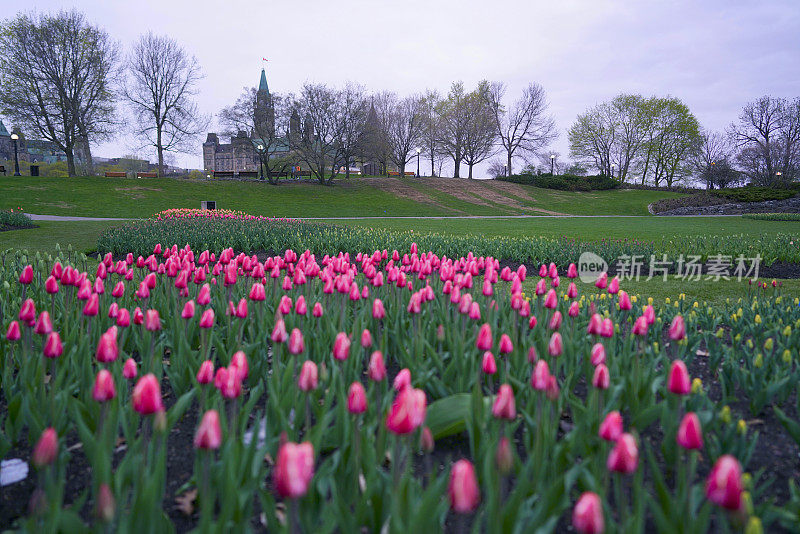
(359, 197)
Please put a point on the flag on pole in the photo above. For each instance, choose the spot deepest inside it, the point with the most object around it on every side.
(264, 59)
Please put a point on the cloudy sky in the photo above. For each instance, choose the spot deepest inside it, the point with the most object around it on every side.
(714, 54)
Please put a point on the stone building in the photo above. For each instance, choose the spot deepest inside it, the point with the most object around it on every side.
(239, 155)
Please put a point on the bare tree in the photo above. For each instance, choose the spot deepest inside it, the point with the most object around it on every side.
(481, 132)
(269, 136)
(56, 72)
(353, 109)
(711, 150)
(453, 115)
(432, 128)
(316, 138)
(405, 129)
(768, 138)
(525, 127)
(161, 84)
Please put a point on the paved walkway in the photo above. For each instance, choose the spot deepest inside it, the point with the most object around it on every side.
(376, 217)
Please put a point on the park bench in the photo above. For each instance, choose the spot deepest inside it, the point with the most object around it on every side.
(394, 173)
(223, 174)
(407, 173)
(146, 175)
(248, 174)
(116, 174)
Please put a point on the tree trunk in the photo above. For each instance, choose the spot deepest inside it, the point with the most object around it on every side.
(470, 171)
(402, 170)
(160, 150)
(508, 172)
(433, 170)
(456, 166)
(70, 161)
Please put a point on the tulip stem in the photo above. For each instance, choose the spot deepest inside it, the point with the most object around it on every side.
(622, 505)
(294, 516)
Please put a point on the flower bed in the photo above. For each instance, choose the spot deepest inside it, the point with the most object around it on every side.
(14, 220)
(216, 230)
(388, 390)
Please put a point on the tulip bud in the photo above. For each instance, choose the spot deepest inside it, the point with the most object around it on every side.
(426, 442)
(402, 380)
(690, 434)
(624, 457)
(679, 382)
(504, 405)
(341, 346)
(13, 332)
(129, 369)
(294, 469)
(724, 483)
(46, 449)
(106, 505)
(488, 366)
(296, 344)
(147, 395)
(188, 310)
(407, 412)
(356, 399)
(104, 389)
(677, 329)
(308, 379)
(504, 457)
(601, 378)
(376, 369)
(556, 346)
(209, 433)
(611, 428)
(463, 487)
(587, 516)
(43, 324)
(53, 347)
(484, 341)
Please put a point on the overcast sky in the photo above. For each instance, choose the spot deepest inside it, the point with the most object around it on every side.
(714, 54)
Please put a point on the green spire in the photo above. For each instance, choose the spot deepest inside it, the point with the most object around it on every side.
(262, 85)
(3, 131)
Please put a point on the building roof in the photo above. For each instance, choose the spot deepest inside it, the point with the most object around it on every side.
(262, 85)
(3, 131)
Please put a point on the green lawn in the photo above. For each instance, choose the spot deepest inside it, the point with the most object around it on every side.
(642, 228)
(81, 235)
(123, 197)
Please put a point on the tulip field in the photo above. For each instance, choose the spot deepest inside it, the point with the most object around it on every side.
(216, 387)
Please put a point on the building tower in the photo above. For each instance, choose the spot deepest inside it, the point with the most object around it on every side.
(265, 111)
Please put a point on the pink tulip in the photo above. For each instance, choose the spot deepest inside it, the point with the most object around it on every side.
(598, 354)
(257, 292)
(209, 434)
(307, 381)
(43, 324)
(129, 369)
(46, 449)
(207, 319)
(51, 285)
(551, 300)
(407, 412)
(484, 340)
(724, 483)
(26, 276)
(679, 382)
(677, 329)
(204, 296)
(690, 434)
(92, 306)
(624, 457)
(239, 361)
(13, 333)
(540, 376)
(488, 366)
(231, 383)
(152, 321)
(296, 344)
(613, 287)
(356, 398)
(107, 349)
(317, 311)
(601, 378)
(602, 281)
(555, 320)
(377, 309)
(556, 346)
(376, 369)
(104, 389)
(624, 301)
(587, 516)
(53, 348)
(611, 428)
(402, 380)
(279, 334)
(595, 325)
(147, 395)
(294, 469)
(123, 318)
(205, 375)
(640, 326)
(188, 310)
(463, 487)
(504, 406)
(572, 271)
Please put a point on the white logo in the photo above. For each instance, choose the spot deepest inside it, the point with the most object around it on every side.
(590, 267)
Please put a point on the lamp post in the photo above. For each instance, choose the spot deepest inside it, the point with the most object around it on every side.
(14, 138)
(418, 151)
(779, 174)
(260, 150)
(552, 164)
(613, 166)
(505, 169)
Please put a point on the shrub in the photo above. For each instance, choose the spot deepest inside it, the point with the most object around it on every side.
(758, 194)
(773, 216)
(564, 182)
